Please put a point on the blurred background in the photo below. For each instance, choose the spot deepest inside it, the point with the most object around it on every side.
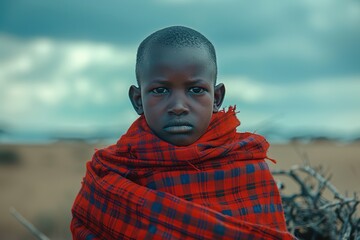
(291, 67)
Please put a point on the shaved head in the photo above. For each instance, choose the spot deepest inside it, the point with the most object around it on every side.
(177, 37)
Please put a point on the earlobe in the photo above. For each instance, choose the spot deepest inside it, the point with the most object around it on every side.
(135, 98)
(219, 94)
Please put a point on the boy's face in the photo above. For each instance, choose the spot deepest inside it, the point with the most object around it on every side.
(177, 93)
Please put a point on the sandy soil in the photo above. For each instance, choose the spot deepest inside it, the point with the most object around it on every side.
(41, 181)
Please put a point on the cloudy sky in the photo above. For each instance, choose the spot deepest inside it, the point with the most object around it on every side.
(290, 66)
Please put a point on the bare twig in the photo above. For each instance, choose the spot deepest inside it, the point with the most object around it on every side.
(309, 215)
(39, 235)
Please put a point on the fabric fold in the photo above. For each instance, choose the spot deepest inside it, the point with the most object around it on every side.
(219, 187)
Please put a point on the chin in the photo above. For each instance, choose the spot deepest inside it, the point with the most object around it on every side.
(181, 142)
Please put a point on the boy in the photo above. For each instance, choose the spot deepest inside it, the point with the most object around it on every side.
(181, 171)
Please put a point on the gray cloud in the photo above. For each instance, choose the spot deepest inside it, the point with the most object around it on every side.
(277, 41)
(69, 63)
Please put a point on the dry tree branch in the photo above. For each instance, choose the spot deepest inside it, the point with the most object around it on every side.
(39, 235)
(310, 215)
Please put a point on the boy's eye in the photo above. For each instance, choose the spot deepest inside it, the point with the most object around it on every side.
(159, 90)
(197, 90)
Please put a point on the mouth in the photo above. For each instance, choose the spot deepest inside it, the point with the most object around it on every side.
(178, 127)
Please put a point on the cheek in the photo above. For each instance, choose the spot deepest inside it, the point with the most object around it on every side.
(150, 103)
(207, 103)
(205, 107)
(152, 109)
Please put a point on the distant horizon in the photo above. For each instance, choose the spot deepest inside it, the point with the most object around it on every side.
(112, 135)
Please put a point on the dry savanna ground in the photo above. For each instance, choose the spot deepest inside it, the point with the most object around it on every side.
(41, 181)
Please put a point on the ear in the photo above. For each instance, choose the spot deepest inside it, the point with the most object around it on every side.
(219, 94)
(135, 98)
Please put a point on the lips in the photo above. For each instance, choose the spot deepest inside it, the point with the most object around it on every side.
(178, 127)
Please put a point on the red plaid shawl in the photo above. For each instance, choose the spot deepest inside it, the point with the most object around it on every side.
(144, 188)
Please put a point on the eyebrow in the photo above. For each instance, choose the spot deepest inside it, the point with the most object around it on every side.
(164, 82)
(158, 81)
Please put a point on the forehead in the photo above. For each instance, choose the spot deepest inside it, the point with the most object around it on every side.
(158, 58)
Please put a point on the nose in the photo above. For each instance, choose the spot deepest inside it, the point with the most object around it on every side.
(178, 104)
